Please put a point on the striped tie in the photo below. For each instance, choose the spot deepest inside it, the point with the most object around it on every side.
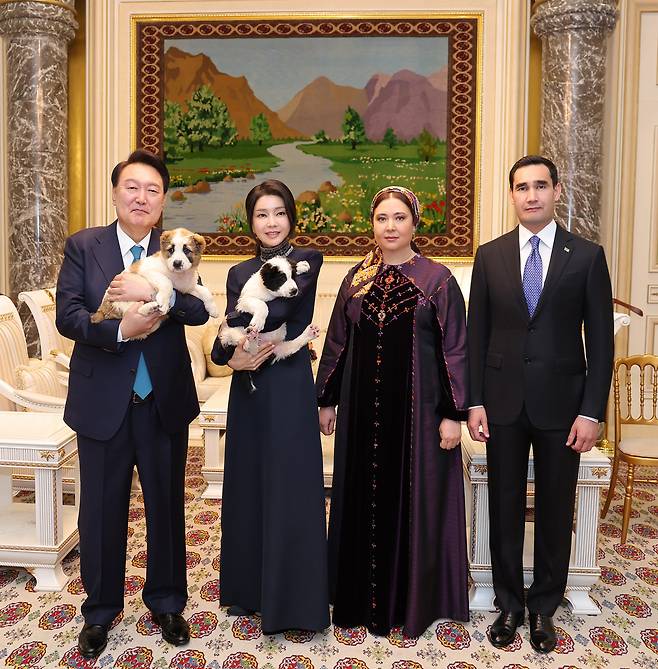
(142, 385)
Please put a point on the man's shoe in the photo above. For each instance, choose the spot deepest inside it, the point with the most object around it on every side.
(92, 641)
(542, 633)
(503, 630)
(175, 629)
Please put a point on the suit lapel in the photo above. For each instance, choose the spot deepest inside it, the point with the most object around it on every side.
(560, 257)
(154, 242)
(512, 262)
(107, 251)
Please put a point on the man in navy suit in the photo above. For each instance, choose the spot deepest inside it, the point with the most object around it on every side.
(533, 293)
(131, 403)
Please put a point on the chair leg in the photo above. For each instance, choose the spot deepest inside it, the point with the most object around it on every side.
(613, 483)
(628, 499)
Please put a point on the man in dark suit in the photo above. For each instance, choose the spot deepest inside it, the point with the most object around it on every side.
(532, 382)
(131, 403)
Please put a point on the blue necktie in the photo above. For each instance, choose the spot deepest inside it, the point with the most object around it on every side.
(532, 276)
(142, 385)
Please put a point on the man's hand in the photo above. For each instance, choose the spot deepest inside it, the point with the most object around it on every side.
(477, 418)
(451, 433)
(130, 287)
(242, 360)
(134, 324)
(583, 435)
(327, 416)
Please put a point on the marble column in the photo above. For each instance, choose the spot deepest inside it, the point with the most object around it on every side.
(36, 36)
(574, 39)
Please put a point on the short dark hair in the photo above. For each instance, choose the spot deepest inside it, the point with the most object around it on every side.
(271, 187)
(146, 158)
(533, 160)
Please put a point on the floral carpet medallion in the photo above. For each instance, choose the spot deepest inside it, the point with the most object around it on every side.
(38, 630)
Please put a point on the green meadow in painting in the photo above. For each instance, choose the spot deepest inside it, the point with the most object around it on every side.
(334, 119)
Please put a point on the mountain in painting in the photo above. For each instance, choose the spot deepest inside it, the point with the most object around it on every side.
(439, 79)
(185, 73)
(321, 105)
(409, 103)
(375, 85)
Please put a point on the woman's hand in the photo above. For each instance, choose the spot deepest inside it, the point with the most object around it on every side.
(451, 432)
(327, 417)
(130, 287)
(242, 360)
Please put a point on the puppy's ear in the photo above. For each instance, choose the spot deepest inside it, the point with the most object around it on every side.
(200, 243)
(165, 237)
(273, 278)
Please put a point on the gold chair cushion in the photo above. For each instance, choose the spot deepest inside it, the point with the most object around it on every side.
(207, 342)
(644, 447)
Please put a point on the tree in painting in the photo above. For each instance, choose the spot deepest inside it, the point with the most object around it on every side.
(354, 131)
(259, 129)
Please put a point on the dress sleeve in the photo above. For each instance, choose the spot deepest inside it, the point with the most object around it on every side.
(450, 312)
(220, 354)
(330, 369)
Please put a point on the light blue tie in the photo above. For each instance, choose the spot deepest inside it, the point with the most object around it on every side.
(532, 276)
(142, 385)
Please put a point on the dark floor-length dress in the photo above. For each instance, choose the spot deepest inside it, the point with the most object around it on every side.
(394, 362)
(273, 548)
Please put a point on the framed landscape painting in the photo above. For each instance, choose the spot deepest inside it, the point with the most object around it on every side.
(336, 108)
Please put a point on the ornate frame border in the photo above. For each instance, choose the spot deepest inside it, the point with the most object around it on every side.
(464, 31)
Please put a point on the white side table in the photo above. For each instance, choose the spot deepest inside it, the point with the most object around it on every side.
(212, 421)
(584, 572)
(37, 536)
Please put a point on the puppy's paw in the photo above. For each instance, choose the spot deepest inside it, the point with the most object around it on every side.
(149, 308)
(303, 266)
(257, 324)
(163, 303)
(212, 309)
(311, 332)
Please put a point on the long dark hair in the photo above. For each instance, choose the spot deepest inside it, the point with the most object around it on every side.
(271, 187)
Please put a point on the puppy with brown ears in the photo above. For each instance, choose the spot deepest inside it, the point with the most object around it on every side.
(174, 266)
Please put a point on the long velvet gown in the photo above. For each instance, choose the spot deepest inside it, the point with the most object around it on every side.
(273, 549)
(394, 362)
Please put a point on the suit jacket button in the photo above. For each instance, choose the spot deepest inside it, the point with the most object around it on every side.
(527, 360)
(531, 329)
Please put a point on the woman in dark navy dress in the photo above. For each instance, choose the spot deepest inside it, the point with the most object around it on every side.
(273, 550)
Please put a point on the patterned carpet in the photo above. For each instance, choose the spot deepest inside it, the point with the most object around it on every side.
(40, 629)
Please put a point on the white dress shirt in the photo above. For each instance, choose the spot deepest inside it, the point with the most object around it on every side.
(546, 239)
(125, 244)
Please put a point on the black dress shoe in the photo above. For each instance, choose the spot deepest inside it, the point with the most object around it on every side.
(503, 630)
(542, 633)
(92, 640)
(175, 629)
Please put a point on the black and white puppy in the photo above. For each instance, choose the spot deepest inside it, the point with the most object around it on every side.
(276, 278)
(174, 266)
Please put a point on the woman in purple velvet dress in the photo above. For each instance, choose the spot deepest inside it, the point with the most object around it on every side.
(394, 362)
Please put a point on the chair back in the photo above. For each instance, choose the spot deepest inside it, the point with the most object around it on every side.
(635, 391)
(13, 349)
(41, 304)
